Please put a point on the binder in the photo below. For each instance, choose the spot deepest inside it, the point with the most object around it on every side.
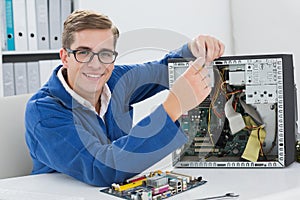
(10, 38)
(31, 25)
(1, 82)
(20, 25)
(20, 75)
(55, 63)
(42, 24)
(54, 24)
(45, 71)
(65, 11)
(3, 26)
(8, 79)
(33, 76)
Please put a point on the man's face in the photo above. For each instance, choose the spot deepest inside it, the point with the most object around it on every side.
(89, 78)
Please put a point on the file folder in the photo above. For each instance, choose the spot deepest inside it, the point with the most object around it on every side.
(10, 38)
(45, 71)
(8, 79)
(55, 63)
(65, 11)
(20, 25)
(54, 24)
(31, 25)
(33, 76)
(20, 75)
(3, 26)
(42, 24)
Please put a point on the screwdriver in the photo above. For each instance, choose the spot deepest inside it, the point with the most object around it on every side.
(227, 195)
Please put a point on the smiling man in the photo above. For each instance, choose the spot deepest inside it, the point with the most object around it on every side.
(80, 122)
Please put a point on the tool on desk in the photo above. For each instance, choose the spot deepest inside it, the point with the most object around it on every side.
(227, 195)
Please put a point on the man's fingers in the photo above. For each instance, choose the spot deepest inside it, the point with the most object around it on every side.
(222, 48)
(208, 47)
(198, 64)
(201, 50)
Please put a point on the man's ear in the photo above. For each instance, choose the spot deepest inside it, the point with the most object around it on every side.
(63, 57)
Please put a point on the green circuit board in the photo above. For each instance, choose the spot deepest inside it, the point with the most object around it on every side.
(154, 186)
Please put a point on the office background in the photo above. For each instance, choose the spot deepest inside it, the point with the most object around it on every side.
(245, 27)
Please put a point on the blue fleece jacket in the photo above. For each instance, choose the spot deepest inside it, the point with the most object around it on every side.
(64, 136)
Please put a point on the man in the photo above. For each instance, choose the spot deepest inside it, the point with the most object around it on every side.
(80, 122)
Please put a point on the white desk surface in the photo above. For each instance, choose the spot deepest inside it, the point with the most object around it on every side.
(282, 183)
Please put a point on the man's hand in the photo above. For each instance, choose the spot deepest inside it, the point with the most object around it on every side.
(207, 47)
(193, 86)
(189, 90)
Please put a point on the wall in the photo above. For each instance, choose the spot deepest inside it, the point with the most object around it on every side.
(268, 26)
(151, 28)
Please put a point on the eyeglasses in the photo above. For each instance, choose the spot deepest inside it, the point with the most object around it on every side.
(86, 56)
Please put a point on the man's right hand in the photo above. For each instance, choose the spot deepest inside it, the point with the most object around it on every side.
(189, 90)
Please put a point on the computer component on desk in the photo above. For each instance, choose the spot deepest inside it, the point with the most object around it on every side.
(249, 118)
(155, 186)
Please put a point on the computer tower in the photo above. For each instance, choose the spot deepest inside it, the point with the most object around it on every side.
(249, 118)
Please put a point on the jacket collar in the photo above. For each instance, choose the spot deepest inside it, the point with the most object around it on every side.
(56, 89)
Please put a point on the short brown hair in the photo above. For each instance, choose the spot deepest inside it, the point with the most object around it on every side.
(85, 19)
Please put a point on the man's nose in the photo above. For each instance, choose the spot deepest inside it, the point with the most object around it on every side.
(95, 62)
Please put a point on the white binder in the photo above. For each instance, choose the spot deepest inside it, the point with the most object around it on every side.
(65, 11)
(33, 75)
(20, 25)
(54, 24)
(42, 24)
(45, 71)
(8, 79)
(55, 63)
(31, 25)
(3, 26)
(20, 75)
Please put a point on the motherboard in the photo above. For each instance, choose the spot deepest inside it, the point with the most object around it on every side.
(154, 186)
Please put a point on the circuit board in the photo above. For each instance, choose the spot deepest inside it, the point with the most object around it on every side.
(155, 186)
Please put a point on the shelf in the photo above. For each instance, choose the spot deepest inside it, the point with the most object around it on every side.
(27, 56)
(9, 53)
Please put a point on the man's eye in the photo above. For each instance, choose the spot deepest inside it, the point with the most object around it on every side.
(107, 54)
(83, 53)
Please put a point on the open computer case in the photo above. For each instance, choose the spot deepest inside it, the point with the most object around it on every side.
(249, 118)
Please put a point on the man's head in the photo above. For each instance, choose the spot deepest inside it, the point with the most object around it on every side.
(88, 53)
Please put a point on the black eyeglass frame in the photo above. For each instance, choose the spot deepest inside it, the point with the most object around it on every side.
(115, 53)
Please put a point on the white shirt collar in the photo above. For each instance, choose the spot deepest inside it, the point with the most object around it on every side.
(104, 98)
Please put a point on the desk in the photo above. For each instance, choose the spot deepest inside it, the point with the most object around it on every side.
(275, 184)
